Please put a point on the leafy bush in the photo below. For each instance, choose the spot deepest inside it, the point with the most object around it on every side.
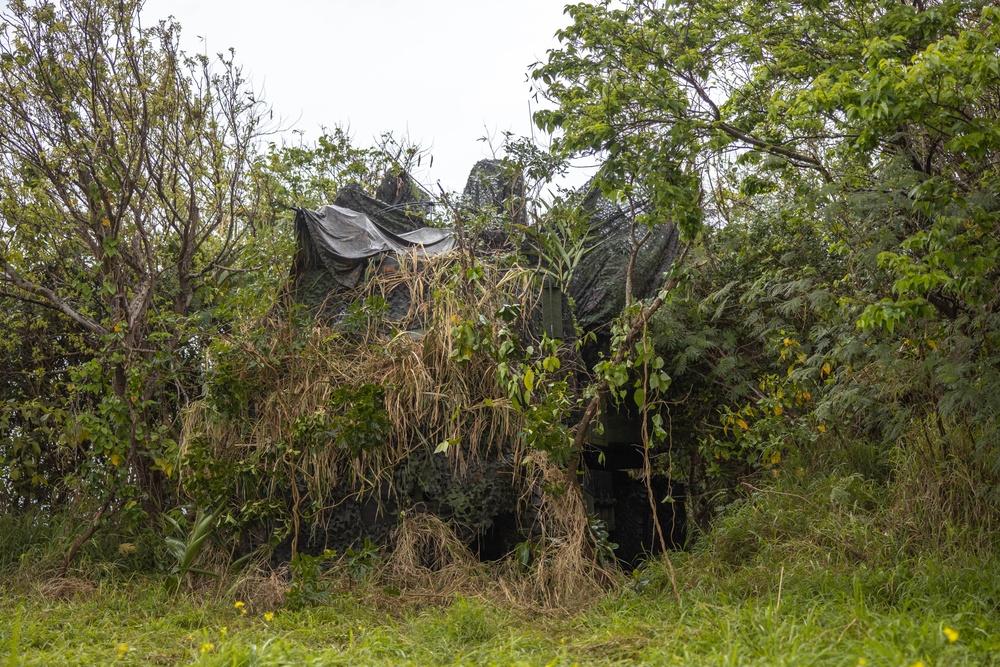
(309, 587)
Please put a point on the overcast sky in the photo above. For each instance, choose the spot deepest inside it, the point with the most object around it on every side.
(443, 72)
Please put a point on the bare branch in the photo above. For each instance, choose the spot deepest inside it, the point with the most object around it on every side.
(11, 275)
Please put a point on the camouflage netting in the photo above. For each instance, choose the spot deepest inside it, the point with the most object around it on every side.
(473, 501)
(393, 331)
(493, 189)
(598, 284)
(398, 189)
(301, 399)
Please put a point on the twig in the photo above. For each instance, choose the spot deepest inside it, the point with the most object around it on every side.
(777, 493)
(602, 388)
(80, 541)
(648, 473)
(458, 228)
(846, 629)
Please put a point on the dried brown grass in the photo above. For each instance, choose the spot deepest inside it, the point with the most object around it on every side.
(260, 587)
(429, 397)
(565, 572)
(63, 588)
(430, 563)
(430, 559)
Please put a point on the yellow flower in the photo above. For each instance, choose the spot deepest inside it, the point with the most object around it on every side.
(207, 647)
(952, 635)
(862, 661)
(242, 607)
(268, 617)
(122, 649)
(918, 663)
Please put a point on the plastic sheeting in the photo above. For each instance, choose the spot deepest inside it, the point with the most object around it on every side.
(598, 284)
(342, 240)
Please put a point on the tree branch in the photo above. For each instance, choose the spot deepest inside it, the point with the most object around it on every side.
(10, 274)
(602, 388)
(80, 541)
(805, 161)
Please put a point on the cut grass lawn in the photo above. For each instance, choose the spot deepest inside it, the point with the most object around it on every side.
(800, 612)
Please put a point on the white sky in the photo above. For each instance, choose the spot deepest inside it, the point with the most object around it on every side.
(443, 72)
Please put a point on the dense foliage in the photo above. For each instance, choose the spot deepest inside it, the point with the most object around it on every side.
(841, 305)
(128, 208)
(832, 167)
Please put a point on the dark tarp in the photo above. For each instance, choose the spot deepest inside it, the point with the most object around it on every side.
(598, 284)
(341, 240)
(398, 217)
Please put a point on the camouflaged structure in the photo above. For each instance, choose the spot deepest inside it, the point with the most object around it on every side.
(482, 504)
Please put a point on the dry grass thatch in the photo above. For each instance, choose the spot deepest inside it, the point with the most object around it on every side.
(565, 571)
(289, 374)
(429, 397)
(260, 588)
(428, 557)
(64, 588)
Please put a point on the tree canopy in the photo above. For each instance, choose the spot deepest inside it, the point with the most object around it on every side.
(127, 207)
(844, 157)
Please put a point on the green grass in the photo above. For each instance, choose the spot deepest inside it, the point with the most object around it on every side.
(826, 616)
(817, 573)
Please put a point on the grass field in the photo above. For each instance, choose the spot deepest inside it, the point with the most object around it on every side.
(823, 616)
(779, 582)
